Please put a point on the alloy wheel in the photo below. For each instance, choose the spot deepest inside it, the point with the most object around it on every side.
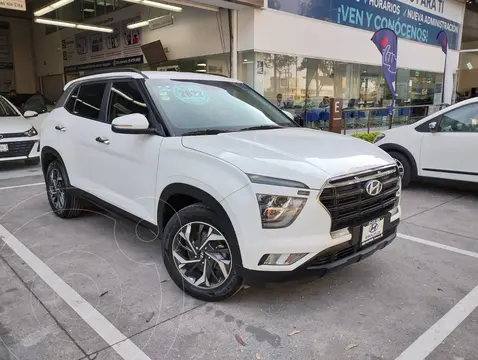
(56, 188)
(202, 255)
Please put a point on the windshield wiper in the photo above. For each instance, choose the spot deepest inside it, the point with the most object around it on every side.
(262, 127)
(205, 132)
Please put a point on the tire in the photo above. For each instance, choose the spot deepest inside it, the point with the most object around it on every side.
(403, 163)
(214, 288)
(34, 161)
(71, 205)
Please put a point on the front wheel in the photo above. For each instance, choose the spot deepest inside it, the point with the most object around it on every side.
(404, 167)
(199, 254)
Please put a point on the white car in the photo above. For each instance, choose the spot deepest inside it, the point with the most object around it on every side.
(237, 191)
(19, 140)
(443, 145)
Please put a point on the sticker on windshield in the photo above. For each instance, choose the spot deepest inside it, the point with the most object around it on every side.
(164, 92)
(191, 94)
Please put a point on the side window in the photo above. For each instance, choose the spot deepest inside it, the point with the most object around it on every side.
(125, 99)
(463, 119)
(70, 104)
(424, 128)
(88, 100)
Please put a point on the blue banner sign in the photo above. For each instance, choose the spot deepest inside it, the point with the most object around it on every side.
(406, 21)
(105, 64)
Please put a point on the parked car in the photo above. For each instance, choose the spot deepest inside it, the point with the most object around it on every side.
(19, 140)
(237, 192)
(443, 145)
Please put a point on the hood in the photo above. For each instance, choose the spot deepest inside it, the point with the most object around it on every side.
(14, 124)
(305, 155)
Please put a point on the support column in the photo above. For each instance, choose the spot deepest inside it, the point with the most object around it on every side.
(234, 44)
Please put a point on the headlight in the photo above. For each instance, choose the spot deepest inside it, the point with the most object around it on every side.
(378, 137)
(279, 211)
(31, 132)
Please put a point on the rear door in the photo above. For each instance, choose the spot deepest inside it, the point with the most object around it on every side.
(450, 153)
(86, 118)
(126, 164)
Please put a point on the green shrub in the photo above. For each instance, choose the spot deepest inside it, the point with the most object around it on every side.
(367, 137)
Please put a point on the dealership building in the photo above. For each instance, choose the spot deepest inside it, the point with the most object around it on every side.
(301, 49)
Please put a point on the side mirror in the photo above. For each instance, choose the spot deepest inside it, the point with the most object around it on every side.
(131, 124)
(289, 115)
(433, 126)
(30, 114)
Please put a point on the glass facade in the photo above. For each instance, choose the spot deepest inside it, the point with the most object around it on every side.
(303, 86)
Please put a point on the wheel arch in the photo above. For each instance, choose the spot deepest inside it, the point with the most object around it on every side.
(198, 196)
(400, 149)
(48, 154)
(190, 191)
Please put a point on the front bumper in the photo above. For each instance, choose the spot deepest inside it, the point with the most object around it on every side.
(20, 148)
(332, 258)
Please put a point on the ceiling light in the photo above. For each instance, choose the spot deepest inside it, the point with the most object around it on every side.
(201, 70)
(89, 10)
(202, 64)
(72, 25)
(194, 5)
(52, 7)
(94, 28)
(138, 24)
(156, 4)
(55, 23)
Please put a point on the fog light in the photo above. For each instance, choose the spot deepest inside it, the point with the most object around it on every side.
(280, 259)
(340, 233)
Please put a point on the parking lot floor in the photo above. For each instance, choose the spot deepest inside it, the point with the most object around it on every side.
(375, 309)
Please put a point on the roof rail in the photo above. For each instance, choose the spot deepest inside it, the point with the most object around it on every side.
(114, 70)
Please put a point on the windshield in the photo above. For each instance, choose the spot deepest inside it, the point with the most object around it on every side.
(201, 105)
(6, 109)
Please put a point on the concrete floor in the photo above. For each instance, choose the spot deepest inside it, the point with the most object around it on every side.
(372, 310)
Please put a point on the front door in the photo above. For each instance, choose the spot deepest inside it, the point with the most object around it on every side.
(450, 153)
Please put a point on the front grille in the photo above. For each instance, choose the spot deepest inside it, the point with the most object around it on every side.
(20, 148)
(11, 135)
(344, 250)
(350, 205)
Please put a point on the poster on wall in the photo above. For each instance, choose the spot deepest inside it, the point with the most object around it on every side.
(6, 59)
(407, 20)
(89, 50)
(13, 5)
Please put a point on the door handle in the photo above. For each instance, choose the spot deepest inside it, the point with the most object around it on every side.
(103, 140)
(60, 128)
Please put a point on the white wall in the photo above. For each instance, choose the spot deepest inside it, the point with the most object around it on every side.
(48, 53)
(195, 32)
(23, 55)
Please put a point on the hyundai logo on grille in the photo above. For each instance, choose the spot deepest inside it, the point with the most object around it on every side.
(373, 187)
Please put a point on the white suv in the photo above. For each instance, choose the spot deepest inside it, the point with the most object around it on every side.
(237, 191)
(442, 145)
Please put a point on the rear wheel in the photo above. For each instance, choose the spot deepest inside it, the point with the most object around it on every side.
(199, 254)
(62, 197)
(404, 167)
